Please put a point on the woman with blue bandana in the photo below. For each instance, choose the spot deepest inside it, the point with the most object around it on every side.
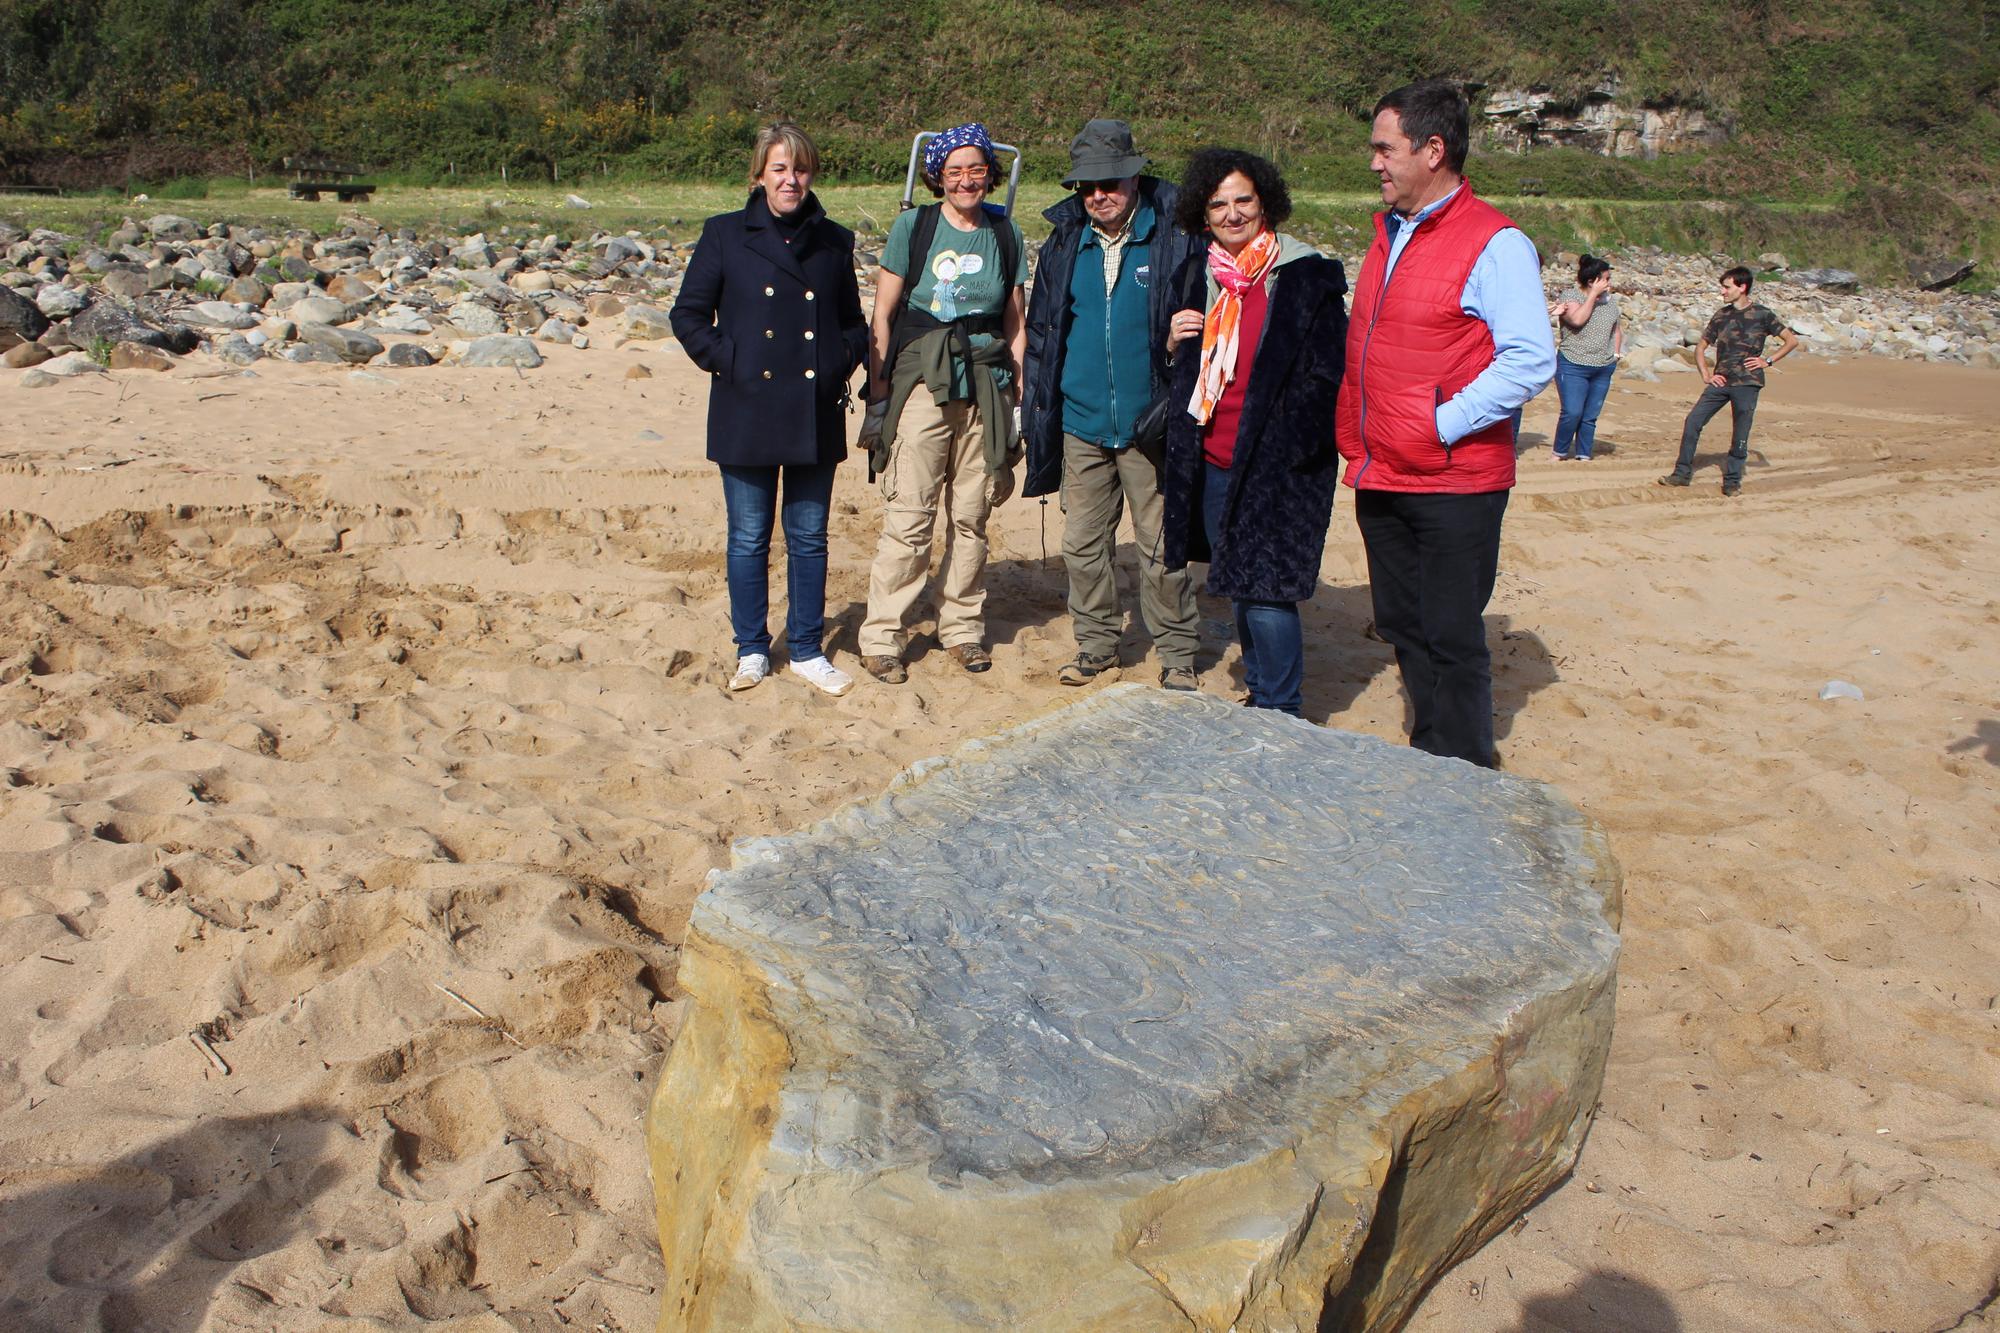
(948, 336)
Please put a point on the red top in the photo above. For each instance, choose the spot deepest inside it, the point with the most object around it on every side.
(1218, 445)
(1411, 347)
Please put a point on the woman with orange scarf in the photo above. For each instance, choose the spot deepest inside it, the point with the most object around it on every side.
(1257, 346)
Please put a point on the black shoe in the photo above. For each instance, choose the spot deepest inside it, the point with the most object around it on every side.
(1673, 479)
(1732, 488)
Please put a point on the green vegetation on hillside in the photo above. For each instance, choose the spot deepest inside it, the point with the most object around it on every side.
(1886, 105)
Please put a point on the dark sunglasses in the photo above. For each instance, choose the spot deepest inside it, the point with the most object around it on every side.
(1100, 187)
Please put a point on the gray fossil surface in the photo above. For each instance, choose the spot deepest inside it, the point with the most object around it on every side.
(1127, 1019)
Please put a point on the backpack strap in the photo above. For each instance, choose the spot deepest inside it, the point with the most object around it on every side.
(908, 324)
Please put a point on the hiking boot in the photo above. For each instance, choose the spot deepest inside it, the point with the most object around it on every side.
(1732, 488)
(751, 668)
(888, 670)
(824, 675)
(1179, 678)
(1674, 479)
(1086, 667)
(970, 656)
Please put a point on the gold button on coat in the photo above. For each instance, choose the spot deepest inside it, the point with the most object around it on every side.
(809, 296)
(809, 374)
(767, 374)
(770, 333)
(770, 291)
(809, 335)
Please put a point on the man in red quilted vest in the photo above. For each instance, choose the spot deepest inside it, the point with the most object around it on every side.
(1448, 336)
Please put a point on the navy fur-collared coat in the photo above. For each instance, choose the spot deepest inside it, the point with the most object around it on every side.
(780, 330)
(1286, 465)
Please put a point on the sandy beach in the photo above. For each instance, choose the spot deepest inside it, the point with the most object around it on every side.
(365, 742)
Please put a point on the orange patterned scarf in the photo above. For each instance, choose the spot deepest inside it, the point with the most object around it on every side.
(1218, 331)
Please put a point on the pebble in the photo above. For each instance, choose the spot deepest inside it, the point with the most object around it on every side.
(138, 356)
(408, 354)
(71, 363)
(60, 302)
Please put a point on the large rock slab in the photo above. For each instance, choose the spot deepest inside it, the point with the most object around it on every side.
(1159, 1013)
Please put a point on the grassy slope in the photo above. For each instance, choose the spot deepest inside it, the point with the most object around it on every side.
(1827, 107)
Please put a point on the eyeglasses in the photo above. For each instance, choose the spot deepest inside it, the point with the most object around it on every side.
(963, 175)
(1087, 188)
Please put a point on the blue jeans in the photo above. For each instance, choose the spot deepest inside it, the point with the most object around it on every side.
(1582, 390)
(1274, 649)
(751, 496)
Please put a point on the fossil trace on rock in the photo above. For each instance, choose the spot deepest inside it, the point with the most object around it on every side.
(1157, 1013)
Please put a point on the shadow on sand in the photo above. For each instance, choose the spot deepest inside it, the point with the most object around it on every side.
(146, 1241)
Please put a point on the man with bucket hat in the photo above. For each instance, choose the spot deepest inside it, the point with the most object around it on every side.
(1097, 325)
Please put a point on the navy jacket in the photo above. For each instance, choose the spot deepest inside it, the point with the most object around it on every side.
(780, 329)
(1282, 480)
(1049, 314)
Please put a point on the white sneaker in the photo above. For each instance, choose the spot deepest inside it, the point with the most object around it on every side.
(751, 668)
(818, 671)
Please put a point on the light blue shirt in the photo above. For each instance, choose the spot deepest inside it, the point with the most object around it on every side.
(1504, 292)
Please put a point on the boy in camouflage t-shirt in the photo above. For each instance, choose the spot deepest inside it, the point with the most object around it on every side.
(1736, 333)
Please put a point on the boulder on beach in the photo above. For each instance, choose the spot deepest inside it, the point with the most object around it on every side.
(502, 349)
(319, 310)
(1826, 279)
(645, 321)
(1158, 1013)
(1934, 275)
(216, 315)
(71, 364)
(475, 318)
(351, 346)
(171, 227)
(60, 302)
(138, 356)
(20, 316)
(112, 322)
(407, 354)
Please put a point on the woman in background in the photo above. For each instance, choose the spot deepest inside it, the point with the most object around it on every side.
(1592, 340)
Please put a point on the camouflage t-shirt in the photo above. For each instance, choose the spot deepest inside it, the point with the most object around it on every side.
(1737, 335)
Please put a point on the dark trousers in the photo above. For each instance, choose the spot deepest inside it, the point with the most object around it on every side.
(750, 497)
(1431, 564)
(1742, 400)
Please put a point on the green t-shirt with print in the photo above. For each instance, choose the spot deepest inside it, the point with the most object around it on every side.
(961, 275)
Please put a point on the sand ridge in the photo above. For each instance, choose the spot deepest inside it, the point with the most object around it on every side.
(372, 737)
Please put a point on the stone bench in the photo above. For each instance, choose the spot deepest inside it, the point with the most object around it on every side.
(1157, 1013)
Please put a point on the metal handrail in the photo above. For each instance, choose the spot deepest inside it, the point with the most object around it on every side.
(917, 156)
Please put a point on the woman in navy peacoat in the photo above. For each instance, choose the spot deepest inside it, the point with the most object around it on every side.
(770, 308)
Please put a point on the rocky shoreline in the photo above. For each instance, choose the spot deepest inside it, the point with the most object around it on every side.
(152, 292)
